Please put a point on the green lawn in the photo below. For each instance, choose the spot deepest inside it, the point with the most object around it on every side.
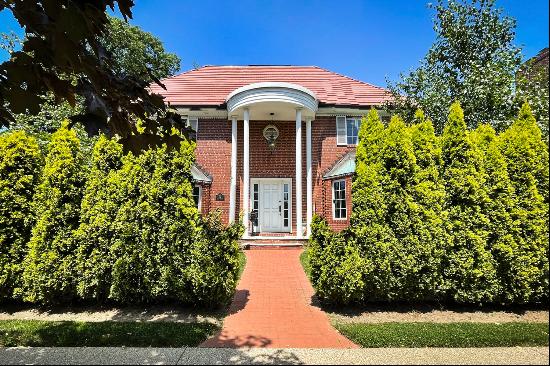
(89, 334)
(304, 259)
(446, 335)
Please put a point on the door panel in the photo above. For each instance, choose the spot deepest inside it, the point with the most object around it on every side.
(271, 215)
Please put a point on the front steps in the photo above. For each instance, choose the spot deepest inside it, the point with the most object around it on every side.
(267, 242)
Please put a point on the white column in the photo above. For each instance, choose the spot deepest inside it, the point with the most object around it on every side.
(233, 187)
(298, 190)
(309, 184)
(246, 169)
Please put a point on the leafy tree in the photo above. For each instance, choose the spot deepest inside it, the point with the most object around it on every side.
(136, 52)
(526, 157)
(473, 60)
(532, 87)
(62, 55)
(20, 163)
(49, 268)
(468, 266)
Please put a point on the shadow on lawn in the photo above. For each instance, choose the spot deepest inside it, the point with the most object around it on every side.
(422, 308)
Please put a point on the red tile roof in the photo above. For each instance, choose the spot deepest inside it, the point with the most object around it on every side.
(210, 85)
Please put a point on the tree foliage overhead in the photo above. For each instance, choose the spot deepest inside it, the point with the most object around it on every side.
(62, 54)
(473, 60)
(137, 53)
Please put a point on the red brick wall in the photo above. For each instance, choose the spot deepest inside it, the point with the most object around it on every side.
(214, 155)
(325, 153)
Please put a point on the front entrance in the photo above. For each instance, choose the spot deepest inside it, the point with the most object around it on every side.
(271, 198)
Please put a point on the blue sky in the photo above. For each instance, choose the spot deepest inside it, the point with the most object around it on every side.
(367, 40)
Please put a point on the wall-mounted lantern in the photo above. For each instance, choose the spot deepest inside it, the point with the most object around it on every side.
(271, 133)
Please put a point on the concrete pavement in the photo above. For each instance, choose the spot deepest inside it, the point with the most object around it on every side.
(274, 356)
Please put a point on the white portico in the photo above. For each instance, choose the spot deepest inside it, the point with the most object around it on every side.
(260, 101)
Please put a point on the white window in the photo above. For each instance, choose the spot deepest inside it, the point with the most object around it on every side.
(193, 122)
(339, 209)
(347, 130)
(197, 196)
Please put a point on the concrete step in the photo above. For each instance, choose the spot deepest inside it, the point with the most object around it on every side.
(272, 242)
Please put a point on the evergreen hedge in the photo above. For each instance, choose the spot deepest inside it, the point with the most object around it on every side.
(49, 274)
(110, 227)
(20, 165)
(461, 217)
(141, 238)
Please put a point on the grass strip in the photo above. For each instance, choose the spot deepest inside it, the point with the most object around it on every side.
(242, 263)
(446, 334)
(34, 333)
(304, 259)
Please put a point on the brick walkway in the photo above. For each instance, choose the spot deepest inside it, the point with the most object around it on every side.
(272, 307)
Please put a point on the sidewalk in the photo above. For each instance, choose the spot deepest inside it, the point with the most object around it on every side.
(274, 356)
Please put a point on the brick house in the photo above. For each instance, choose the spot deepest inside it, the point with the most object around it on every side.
(276, 142)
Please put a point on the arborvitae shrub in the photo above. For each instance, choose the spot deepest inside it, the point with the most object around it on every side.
(99, 208)
(468, 267)
(214, 269)
(526, 156)
(512, 270)
(49, 269)
(20, 165)
(336, 264)
(458, 218)
(372, 232)
(428, 225)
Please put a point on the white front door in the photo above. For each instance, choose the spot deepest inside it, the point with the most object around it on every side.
(271, 206)
(274, 204)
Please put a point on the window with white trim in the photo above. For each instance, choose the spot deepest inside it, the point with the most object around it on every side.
(193, 122)
(197, 196)
(347, 130)
(339, 209)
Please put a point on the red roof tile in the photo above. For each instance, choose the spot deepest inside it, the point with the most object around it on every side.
(210, 85)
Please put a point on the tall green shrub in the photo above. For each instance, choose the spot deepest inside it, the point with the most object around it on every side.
(526, 156)
(368, 218)
(20, 165)
(213, 270)
(49, 269)
(512, 269)
(428, 193)
(98, 211)
(468, 267)
(336, 265)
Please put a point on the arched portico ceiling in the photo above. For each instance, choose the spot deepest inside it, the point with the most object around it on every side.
(263, 99)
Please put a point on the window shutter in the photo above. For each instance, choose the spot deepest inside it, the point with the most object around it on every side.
(341, 138)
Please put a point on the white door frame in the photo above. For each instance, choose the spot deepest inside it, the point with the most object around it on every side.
(259, 181)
